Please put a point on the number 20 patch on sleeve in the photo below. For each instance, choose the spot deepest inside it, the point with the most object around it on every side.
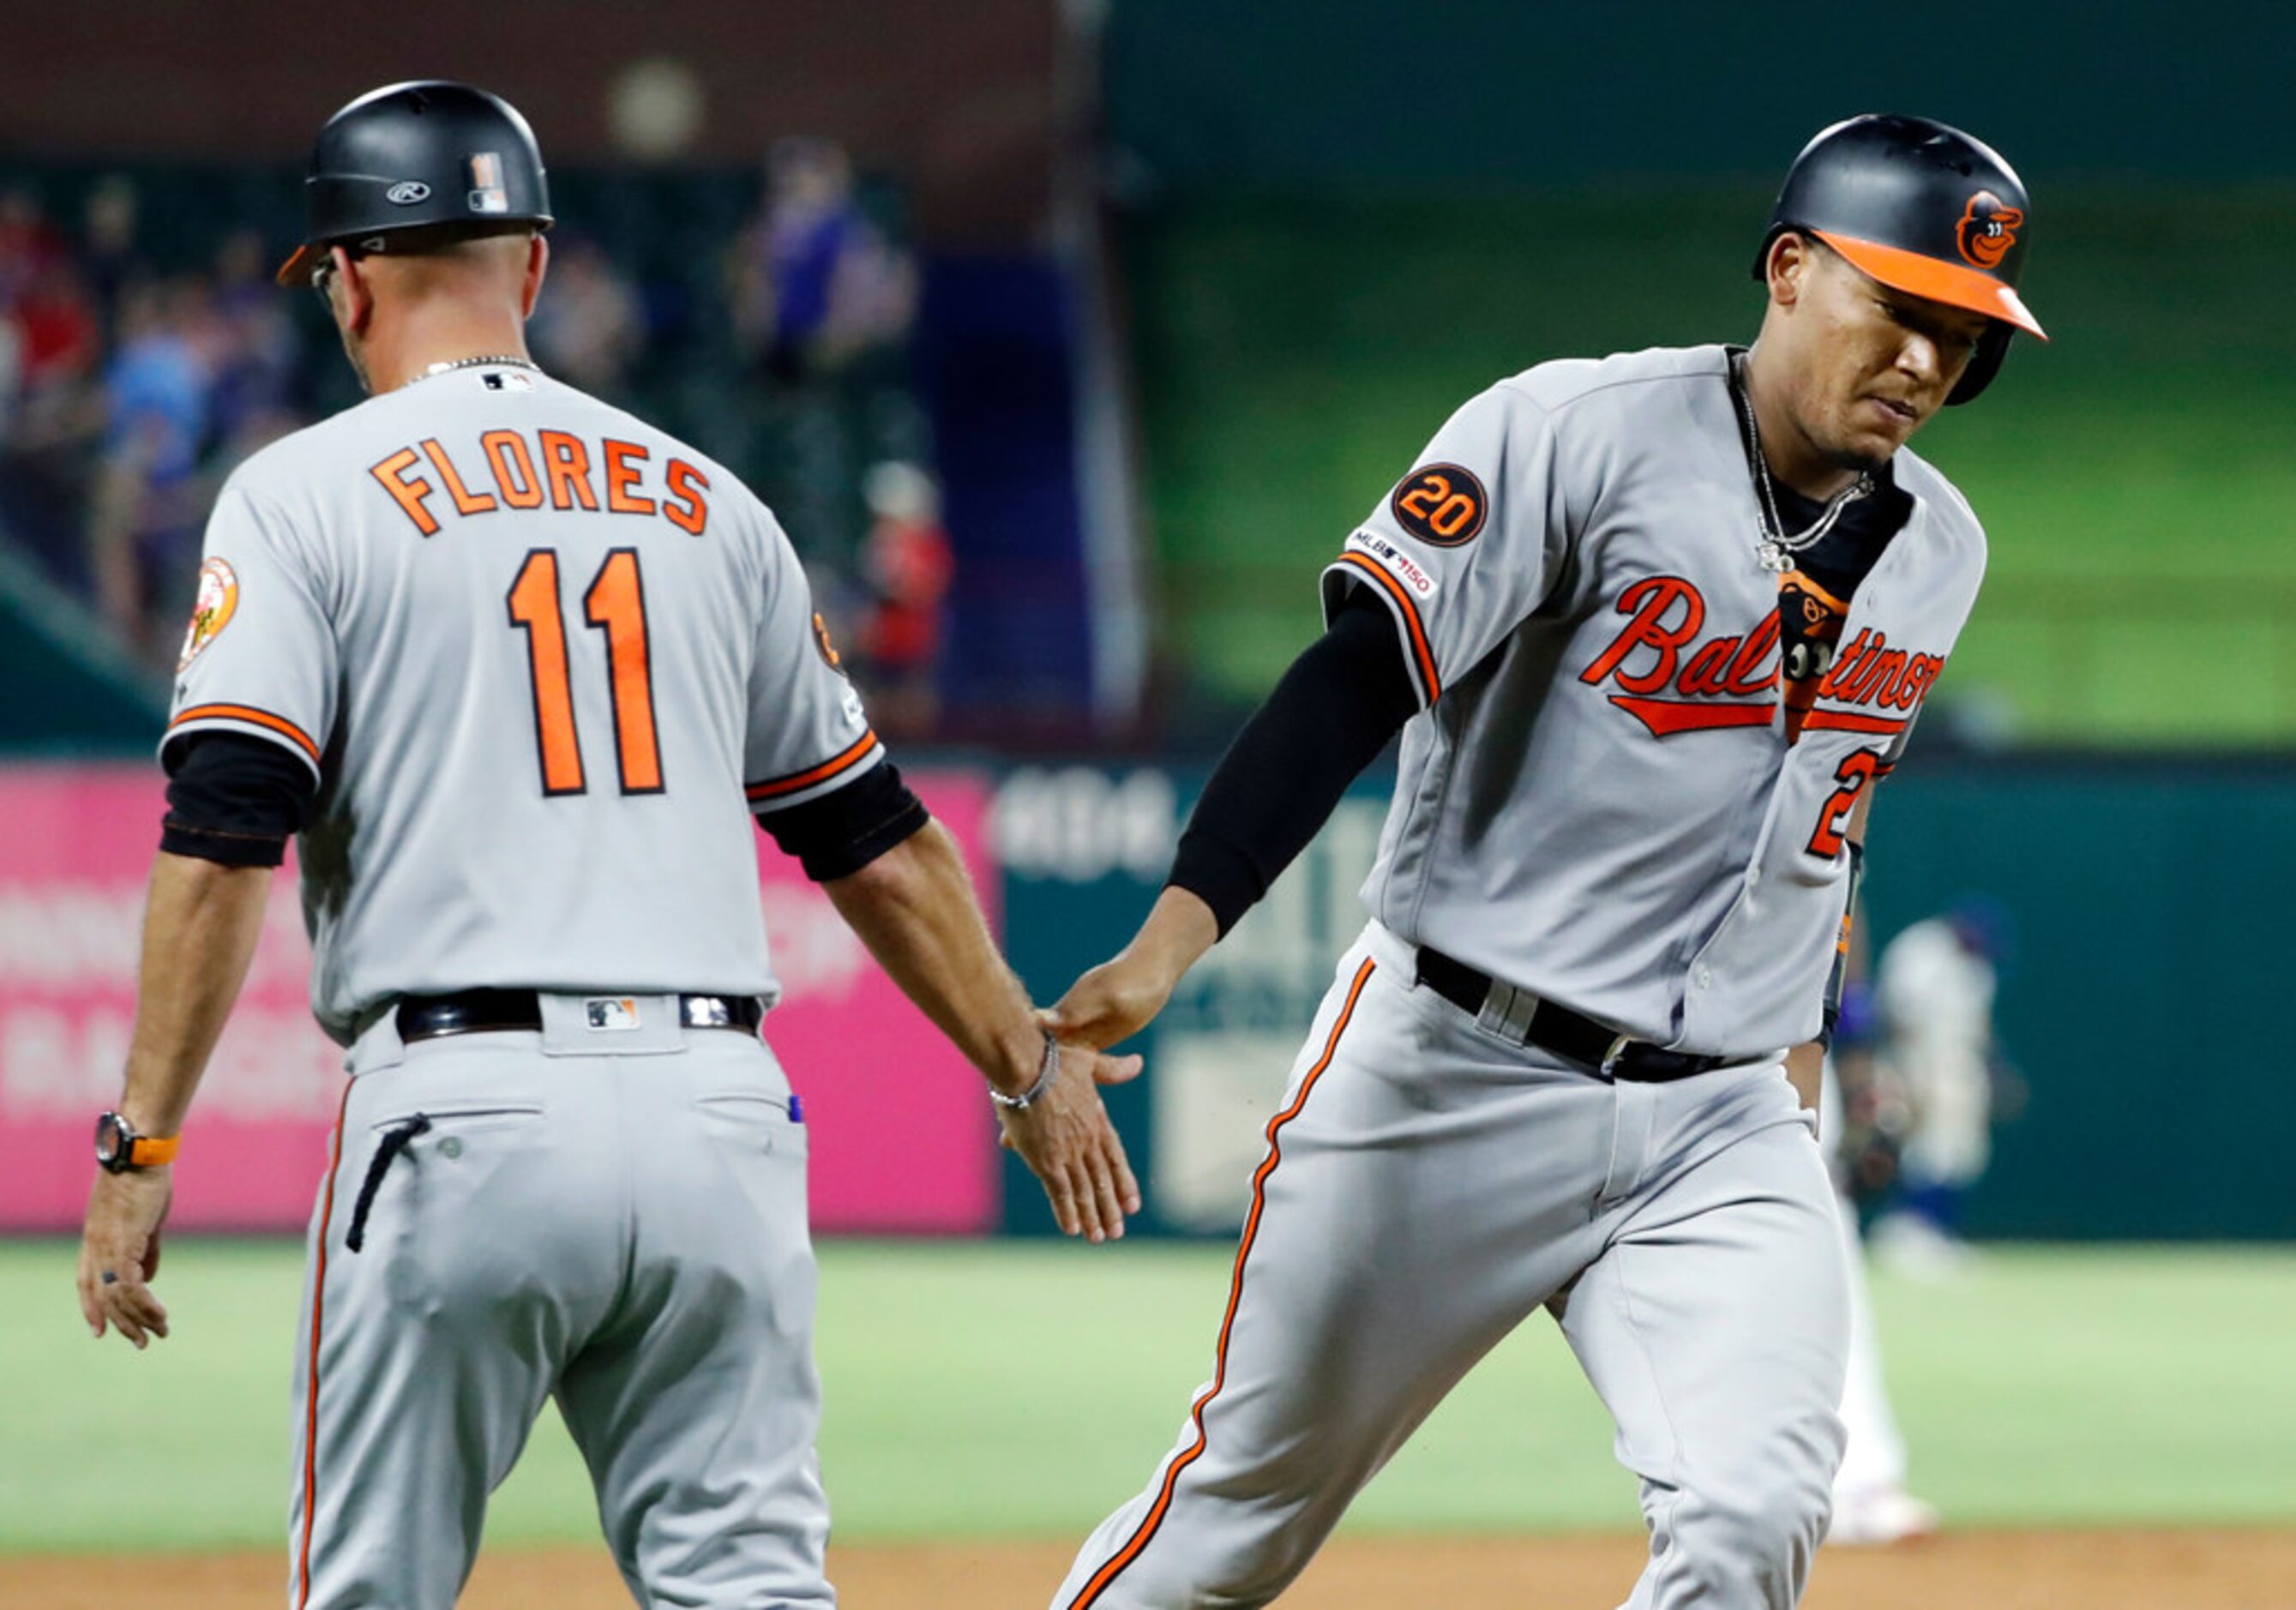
(1442, 504)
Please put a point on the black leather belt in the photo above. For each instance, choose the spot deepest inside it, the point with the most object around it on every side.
(501, 1011)
(1553, 1027)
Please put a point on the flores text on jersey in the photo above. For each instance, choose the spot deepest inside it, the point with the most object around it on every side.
(557, 468)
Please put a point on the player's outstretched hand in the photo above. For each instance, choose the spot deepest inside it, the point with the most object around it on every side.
(1113, 1002)
(1119, 997)
(1066, 1138)
(119, 1253)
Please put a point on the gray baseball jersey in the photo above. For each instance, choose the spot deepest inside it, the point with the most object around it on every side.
(1609, 800)
(1628, 791)
(513, 632)
(533, 650)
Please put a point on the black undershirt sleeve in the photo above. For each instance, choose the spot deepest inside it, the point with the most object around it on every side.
(236, 801)
(837, 834)
(233, 799)
(1328, 718)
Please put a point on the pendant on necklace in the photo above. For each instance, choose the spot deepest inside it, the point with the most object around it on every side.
(1774, 559)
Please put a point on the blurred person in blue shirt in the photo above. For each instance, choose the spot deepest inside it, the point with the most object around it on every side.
(159, 391)
(816, 282)
(257, 352)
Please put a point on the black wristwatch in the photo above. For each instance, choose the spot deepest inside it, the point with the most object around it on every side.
(120, 1150)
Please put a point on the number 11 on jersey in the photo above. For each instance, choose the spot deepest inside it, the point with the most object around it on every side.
(615, 605)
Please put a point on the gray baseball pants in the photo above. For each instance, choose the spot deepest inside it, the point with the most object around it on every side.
(617, 1218)
(1427, 1184)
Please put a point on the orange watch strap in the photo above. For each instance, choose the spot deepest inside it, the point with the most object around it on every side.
(150, 1153)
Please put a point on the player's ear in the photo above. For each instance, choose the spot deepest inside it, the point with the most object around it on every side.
(1791, 260)
(357, 292)
(538, 264)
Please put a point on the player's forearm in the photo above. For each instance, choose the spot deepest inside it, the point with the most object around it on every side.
(1180, 927)
(1328, 718)
(201, 926)
(914, 908)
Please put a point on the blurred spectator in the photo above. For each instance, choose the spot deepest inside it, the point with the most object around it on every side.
(49, 410)
(108, 255)
(144, 526)
(815, 282)
(51, 315)
(589, 327)
(134, 378)
(61, 337)
(23, 236)
(907, 565)
(256, 351)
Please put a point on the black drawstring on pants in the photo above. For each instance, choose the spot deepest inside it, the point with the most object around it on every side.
(394, 1142)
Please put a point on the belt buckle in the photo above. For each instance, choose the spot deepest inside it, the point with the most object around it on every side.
(1508, 1011)
(1618, 1050)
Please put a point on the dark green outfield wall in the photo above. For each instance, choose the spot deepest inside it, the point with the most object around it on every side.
(2151, 1002)
(2148, 1003)
(1342, 219)
(2136, 476)
(1340, 94)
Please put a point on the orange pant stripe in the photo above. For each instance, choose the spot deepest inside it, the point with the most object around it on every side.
(1140, 1538)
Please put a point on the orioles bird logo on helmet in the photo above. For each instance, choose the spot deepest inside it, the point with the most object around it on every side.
(1988, 229)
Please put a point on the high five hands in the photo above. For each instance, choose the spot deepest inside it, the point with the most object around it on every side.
(1065, 1137)
(1107, 1006)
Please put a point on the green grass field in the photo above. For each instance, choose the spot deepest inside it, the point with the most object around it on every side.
(2136, 475)
(980, 1391)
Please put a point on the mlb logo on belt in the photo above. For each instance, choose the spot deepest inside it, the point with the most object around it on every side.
(609, 1014)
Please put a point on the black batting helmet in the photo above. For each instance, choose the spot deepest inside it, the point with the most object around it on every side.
(434, 155)
(1925, 208)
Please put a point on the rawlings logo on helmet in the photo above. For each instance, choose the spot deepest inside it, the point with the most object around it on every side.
(1988, 229)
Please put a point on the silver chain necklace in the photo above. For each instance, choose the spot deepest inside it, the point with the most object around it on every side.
(498, 361)
(1775, 549)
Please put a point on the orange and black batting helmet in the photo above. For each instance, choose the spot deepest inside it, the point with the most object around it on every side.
(408, 165)
(1926, 210)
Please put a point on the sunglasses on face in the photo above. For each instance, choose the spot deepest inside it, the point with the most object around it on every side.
(323, 275)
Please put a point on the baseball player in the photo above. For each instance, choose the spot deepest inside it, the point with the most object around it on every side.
(1936, 983)
(518, 667)
(1652, 629)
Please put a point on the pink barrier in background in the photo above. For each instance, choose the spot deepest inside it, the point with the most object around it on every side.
(902, 1140)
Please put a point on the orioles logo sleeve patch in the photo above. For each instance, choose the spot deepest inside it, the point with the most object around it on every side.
(217, 603)
(1441, 504)
(826, 646)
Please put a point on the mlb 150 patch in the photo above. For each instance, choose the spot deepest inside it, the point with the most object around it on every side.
(1395, 562)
